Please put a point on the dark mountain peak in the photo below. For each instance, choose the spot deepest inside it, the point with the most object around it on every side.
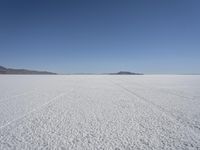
(4, 70)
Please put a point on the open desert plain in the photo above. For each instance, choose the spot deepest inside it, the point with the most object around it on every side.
(119, 112)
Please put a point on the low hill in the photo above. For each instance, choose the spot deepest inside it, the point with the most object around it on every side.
(4, 70)
(126, 73)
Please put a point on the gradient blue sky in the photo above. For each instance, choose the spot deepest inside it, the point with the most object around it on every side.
(70, 36)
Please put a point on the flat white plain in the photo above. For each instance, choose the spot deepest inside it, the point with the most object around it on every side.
(99, 112)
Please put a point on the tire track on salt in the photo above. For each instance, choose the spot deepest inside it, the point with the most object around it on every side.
(17, 95)
(32, 111)
(166, 91)
(166, 112)
(181, 119)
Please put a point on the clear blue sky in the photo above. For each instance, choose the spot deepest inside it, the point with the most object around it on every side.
(70, 36)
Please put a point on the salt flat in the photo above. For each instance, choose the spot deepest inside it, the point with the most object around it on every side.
(99, 112)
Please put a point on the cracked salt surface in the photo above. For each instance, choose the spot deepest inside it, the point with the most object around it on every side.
(99, 112)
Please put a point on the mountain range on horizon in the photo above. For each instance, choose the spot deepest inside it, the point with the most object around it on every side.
(4, 70)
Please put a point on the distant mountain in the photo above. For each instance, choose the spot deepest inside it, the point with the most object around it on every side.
(4, 70)
(125, 73)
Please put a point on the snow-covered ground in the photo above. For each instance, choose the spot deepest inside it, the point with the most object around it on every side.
(99, 112)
